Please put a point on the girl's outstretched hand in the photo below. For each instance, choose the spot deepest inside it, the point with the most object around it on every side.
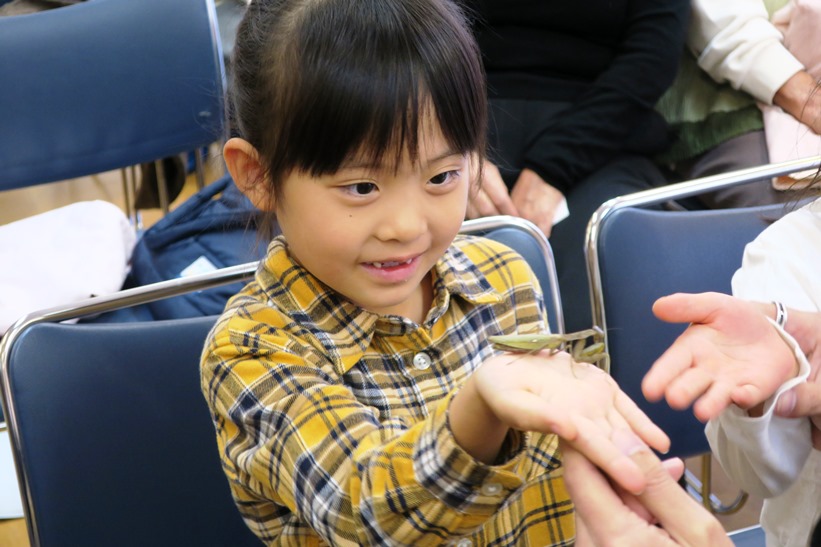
(579, 402)
(730, 354)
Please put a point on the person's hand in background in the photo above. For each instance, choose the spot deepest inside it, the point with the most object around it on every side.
(489, 196)
(536, 200)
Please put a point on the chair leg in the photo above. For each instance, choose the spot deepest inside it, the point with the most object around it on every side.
(128, 175)
(701, 490)
(162, 186)
(199, 168)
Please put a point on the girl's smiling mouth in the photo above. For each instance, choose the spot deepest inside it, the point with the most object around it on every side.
(393, 271)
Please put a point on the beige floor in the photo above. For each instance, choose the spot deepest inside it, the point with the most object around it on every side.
(726, 491)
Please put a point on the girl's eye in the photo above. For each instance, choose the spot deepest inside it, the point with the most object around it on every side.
(361, 188)
(442, 178)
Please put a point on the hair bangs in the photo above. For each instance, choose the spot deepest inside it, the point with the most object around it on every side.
(366, 84)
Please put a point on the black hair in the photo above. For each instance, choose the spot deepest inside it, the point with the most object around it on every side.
(317, 81)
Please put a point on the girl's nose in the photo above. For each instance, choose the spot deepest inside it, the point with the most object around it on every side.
(405, 221)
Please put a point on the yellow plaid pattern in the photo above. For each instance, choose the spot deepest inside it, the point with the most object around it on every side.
(331, 433)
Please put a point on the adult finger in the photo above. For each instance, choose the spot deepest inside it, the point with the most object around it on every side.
(802, 400)
(470, 211)
(686, 521)
(483, 205)
(599, 504)
(674, 467)
(498, 193)
(816, 436)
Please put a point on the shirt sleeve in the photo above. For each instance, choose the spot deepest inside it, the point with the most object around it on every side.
(764, 455)
(735, 42)
(292, 433)
(616, 115)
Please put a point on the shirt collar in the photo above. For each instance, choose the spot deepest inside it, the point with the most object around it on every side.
(345, 329)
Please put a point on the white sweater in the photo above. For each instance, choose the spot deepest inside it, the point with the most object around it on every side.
(771, 456)
(735, 42)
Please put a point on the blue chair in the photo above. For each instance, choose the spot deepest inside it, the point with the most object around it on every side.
(636, 255)
(107, 84)
(523, 236)
(112, 439)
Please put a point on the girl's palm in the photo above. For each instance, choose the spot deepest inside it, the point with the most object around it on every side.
(550, 393)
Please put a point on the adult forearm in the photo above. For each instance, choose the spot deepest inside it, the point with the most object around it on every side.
(735, 42)
(800, 98)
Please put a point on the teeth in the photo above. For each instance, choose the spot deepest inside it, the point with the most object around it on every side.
(391, 264)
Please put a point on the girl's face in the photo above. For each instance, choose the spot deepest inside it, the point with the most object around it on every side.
(371, 232)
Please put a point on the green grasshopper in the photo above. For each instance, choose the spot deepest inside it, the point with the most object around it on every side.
(573, 342)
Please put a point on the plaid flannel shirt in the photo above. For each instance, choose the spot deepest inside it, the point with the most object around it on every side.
(332, 421)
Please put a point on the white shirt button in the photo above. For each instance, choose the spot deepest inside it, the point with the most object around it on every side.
(491, 489)
(422, 361)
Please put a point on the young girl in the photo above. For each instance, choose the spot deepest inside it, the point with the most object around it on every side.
(356, 398)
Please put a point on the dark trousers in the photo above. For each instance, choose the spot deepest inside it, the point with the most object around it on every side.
(513, 126)
(747, 150)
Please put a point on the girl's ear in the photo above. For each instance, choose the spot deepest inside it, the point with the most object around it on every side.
(242, 161)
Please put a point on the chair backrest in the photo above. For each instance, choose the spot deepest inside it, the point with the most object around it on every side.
(106, 84)
(636, 255)
(525, 238)
(112, 438)
(115, 436)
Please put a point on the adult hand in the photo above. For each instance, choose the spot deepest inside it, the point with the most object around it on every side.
(730, 353)
(550, 393)
(663, 515)
(490, 195)
(805, 399)
(536, 200)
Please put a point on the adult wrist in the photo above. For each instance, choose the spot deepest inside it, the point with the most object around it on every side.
(799, 97)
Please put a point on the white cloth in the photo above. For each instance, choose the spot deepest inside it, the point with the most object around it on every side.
(734, 41)
(772, 456)
(62, 256)
(11, 504)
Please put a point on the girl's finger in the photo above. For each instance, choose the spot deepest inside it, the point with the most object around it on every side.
(639, 422)
(688, 386)
(674, 361)
(610, 450)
